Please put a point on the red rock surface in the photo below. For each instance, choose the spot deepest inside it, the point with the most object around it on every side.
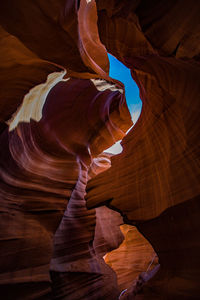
(154, 182)
(39, 171)
(136, 256)
(52, 244)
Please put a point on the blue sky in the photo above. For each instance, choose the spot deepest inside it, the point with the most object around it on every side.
(122, 73)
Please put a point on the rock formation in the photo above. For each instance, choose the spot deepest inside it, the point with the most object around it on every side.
(59, 110)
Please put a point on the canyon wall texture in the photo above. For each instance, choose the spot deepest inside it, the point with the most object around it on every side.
(63, 201)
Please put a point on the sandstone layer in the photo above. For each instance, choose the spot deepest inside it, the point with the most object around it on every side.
(59, 110)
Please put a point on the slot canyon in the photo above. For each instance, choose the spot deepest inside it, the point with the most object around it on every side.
(78, 222)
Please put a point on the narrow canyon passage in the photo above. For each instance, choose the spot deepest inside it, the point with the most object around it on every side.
(76, 220)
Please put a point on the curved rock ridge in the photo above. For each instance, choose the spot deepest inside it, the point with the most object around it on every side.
(75, 265)
(39, 171)
(86, 110)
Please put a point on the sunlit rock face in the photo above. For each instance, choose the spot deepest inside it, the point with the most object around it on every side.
(54, 231)
(136, 256)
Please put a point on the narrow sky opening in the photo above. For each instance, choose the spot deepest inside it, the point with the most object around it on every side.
(121, 72)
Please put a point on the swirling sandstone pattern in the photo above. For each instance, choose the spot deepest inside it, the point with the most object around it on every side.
(154, 182)
(41, 158)
(52, 244)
